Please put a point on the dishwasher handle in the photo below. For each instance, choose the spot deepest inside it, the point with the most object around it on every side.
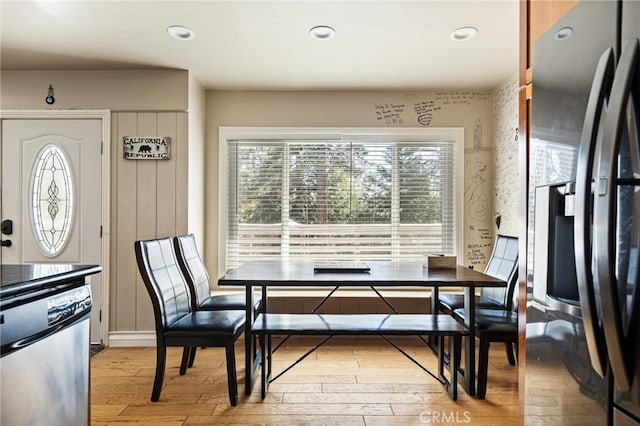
(23, 325)
(34, 338)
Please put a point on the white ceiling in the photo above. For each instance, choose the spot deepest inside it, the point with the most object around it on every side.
(264, 45)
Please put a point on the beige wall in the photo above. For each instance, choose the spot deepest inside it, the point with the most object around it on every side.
(128, 90)
(472, 110)
(505, 185)
(197, 123)
(148, 198)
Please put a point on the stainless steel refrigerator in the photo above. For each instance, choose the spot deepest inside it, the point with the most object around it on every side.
(583, 288)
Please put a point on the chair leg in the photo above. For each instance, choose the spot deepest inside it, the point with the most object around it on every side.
(186, 353)
(192, 357)
(483, 367)
(510, 353)
(232, 379)
(161, 360)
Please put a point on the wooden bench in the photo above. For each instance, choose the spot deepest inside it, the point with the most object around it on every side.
(267, 325)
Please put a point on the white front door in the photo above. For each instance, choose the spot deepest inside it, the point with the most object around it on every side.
(51, 196)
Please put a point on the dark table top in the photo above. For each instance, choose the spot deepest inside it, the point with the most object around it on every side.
(391, 274)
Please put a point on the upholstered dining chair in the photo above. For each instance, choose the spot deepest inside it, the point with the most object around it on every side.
(493, 325)
(503, 264)
(197, 277)
(176, 323)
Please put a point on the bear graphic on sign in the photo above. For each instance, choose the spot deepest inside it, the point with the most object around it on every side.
(144, 148)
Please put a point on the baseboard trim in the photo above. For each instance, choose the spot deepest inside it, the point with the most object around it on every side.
(126, 339)
(131, 338)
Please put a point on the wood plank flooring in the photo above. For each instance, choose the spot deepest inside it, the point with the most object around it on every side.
(361, 381)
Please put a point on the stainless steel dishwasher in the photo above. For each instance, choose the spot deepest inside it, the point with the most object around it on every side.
(44, 363)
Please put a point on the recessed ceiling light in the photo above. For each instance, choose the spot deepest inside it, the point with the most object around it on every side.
(180, 32)
(322, 32)
(463, 33)
(563, 33)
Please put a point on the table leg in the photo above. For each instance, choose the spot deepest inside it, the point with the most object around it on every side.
(268, 346)
(433, 343)
(470, 346)
(249, 344)
(455, 343)
(435, 295)
(264, 381)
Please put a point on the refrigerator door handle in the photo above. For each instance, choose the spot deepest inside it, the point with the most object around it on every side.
(598, 96)
(605, 214)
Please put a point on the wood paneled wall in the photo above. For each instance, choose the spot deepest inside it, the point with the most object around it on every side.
(149, 200)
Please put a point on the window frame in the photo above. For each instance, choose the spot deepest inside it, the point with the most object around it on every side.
(338, 134)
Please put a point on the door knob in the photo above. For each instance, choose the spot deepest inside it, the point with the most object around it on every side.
(5, 243)
(7, 227)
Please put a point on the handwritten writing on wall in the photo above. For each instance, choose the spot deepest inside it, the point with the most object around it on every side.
(477, 200)
(505, 132)
(476, 252)
(424, 111)
(427, 108)
(477, 192)
(460, 97)
(390, 113)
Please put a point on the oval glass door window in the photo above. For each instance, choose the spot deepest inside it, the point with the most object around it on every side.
(52, 200)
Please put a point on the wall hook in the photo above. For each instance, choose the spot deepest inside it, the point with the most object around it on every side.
(50, 99)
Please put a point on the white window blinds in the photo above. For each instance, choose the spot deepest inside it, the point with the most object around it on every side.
(339, 200)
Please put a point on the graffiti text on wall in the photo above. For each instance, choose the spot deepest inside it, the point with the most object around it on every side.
(477, 251)
(390, 113)
(427, 108)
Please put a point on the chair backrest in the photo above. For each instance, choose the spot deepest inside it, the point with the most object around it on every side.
(192, 268)
(503, 264)
(163, 280)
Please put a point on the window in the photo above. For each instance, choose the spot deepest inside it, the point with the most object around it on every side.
(331, 194)
(52, 200)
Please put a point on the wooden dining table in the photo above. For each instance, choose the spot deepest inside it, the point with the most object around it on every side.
(380, 274)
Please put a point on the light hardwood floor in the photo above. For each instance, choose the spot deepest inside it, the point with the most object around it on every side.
(348, 381)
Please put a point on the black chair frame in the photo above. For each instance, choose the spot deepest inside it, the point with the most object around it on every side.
(493, 326)
(503, 263)
(508, 334)
(197, 278)
(175, 323)
(198, 282)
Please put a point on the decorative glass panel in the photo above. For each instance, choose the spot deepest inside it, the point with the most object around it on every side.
(52, 199)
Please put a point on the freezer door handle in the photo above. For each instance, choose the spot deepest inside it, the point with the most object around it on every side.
(620, 357)
(600, 89)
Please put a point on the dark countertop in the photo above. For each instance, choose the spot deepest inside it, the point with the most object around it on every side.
(31, 280)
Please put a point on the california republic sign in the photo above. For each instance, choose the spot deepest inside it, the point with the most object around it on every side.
(146, 147)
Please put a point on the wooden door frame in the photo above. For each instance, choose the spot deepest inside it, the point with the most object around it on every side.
(105, 117)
